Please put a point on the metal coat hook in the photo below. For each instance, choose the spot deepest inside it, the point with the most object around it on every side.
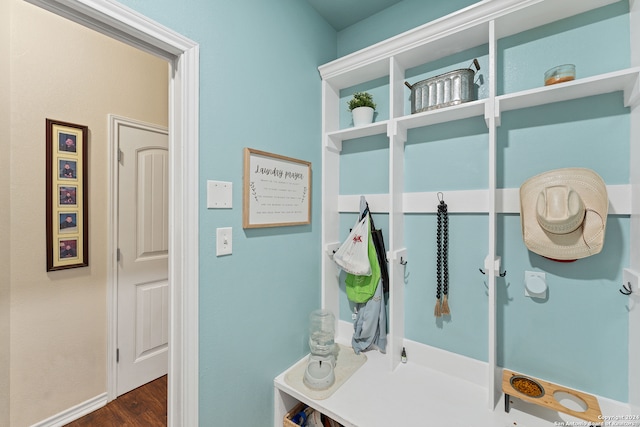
(627, 289)
(402, 261)
(504, 273)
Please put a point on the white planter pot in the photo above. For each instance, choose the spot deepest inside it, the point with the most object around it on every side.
(362, 116)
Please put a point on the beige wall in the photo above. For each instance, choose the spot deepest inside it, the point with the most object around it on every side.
(60, 70)
(4, 213)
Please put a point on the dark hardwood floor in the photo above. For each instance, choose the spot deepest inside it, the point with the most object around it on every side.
(145, 406)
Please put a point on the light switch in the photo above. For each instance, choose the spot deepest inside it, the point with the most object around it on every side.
(223, 241)
(219, 194)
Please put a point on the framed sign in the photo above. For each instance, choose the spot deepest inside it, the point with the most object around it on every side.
(276, 190)
(66, 193)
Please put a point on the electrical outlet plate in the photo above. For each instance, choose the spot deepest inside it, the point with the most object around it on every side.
(219, 195)
(223, 241)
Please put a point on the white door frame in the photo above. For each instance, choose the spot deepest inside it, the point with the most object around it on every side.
(128, 26)
(113, 225)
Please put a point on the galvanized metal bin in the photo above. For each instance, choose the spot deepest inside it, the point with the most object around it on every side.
(452, 88)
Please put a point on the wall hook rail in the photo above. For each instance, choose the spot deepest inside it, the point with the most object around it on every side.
(627, 289)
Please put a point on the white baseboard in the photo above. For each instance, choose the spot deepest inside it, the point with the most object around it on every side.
(73, 413)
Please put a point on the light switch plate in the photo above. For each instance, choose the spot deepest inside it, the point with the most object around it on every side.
(223, 241)
(219, 194)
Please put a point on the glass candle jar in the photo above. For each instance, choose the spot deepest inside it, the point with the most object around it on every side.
(559, 74)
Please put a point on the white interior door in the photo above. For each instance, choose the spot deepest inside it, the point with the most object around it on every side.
(143, 289)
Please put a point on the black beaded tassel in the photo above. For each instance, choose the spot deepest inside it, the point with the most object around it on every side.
(442, 264)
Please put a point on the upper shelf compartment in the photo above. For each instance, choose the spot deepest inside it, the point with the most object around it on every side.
(624, 80)
(459, 31)
(378, 89)
(334, 139)
(595, 42)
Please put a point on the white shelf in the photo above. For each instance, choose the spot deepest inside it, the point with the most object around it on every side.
(627, 81)
(415, 394)
(378, 128)
(409, 387)
(623, 80)
(443, 115)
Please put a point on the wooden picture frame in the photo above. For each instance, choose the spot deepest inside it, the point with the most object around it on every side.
(276, 190)
(66, 194)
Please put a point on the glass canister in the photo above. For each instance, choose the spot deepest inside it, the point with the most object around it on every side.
(559, 74)
(322, 327)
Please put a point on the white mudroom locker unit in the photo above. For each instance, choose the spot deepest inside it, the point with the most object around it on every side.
(585, 333)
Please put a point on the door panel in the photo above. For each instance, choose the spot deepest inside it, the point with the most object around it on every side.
(152, 319)
(143, 288)
(152, 221)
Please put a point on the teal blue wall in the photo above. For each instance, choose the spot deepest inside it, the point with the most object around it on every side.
(259, 88)
(578, 335)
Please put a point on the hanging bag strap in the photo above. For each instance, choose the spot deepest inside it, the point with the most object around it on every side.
(381, 251)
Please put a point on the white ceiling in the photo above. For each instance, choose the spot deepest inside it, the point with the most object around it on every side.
(343, 13)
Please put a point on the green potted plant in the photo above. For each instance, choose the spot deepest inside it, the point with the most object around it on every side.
(362, 107)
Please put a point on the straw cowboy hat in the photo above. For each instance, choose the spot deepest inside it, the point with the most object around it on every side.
(564, 213)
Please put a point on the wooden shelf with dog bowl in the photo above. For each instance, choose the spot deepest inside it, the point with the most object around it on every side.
(553, 396)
